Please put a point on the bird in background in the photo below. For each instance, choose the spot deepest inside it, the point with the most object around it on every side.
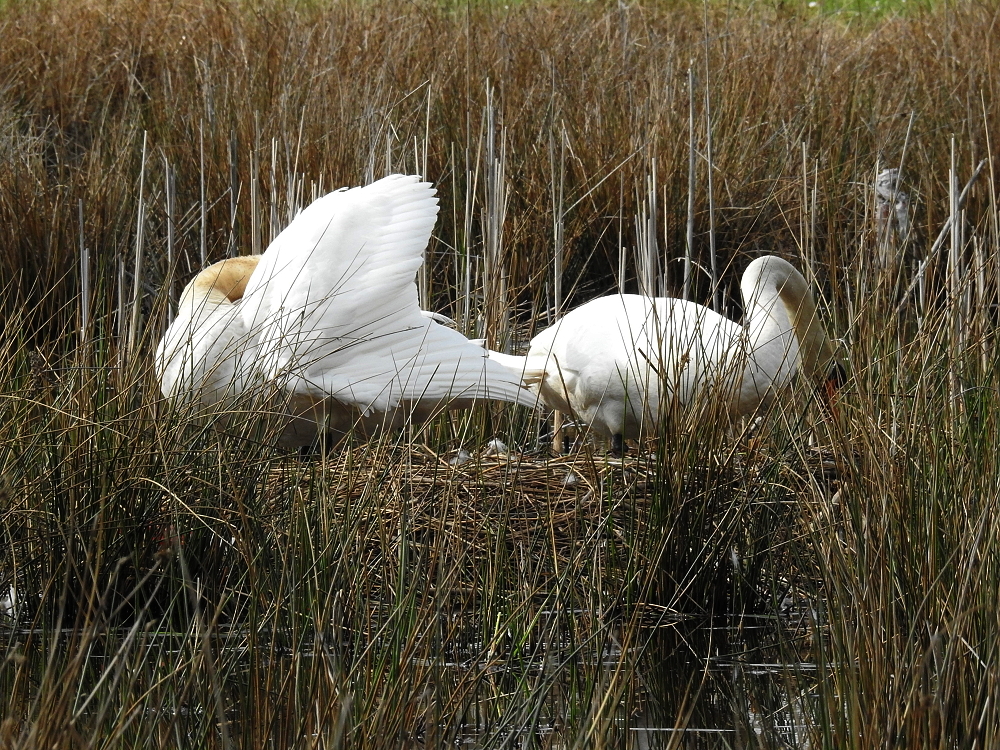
(326, 322)
(619, 363)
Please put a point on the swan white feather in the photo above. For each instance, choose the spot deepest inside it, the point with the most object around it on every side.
(328, 317)
(617, 362)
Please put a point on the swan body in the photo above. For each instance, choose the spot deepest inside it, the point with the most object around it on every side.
(618, 362)
(327, 322)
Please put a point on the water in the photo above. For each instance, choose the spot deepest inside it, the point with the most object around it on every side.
(684, 684)
(668, 682)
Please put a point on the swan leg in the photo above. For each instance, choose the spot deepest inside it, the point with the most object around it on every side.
(617, 445)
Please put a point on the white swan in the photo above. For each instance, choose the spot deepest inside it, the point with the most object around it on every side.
(327, 322)
(617, 362)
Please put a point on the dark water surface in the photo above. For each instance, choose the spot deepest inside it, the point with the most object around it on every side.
(736, 682)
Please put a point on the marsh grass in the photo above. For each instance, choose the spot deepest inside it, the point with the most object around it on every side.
(176, 584)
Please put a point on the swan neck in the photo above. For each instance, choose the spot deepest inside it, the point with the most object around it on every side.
(222, 283)
(777, 278)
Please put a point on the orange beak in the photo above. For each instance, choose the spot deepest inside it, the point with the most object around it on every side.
(833, 383)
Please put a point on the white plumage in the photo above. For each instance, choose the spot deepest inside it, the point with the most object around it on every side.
(616, 363)
(328, 321)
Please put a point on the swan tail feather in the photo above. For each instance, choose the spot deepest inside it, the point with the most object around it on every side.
(531, 369)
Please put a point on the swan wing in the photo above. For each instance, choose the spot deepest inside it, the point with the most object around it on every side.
(424, 363)
(341, 273)
(333, 305)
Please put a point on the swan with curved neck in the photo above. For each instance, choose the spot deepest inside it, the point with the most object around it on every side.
(617, 362)
(327, 322)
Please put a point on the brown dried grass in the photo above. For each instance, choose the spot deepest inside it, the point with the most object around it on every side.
(171, 577)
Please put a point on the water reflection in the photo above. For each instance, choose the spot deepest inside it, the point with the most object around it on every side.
(734, 685)
(678, 683)
(644, 683)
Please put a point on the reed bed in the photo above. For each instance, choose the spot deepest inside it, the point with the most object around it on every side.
(806, 579)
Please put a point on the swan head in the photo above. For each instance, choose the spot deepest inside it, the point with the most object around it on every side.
(824, 360)
(221, 283)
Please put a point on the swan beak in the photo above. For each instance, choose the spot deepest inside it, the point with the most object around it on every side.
(834, 382)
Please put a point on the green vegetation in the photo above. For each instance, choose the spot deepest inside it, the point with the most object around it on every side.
(176, 585)
(869, 9)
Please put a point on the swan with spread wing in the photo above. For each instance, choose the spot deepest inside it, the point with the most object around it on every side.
(327, 321)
